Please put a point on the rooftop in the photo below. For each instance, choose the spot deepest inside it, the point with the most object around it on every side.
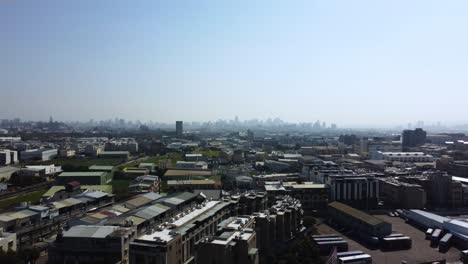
(369, 219)
(83, 173)
(169, 232)
(88, 231)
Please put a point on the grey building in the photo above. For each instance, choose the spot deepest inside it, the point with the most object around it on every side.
(38, 154)
(92, 244)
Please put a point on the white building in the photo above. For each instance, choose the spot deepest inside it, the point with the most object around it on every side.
(7, 241)
(402, 156)
(38, 154)
(48, 169)
(8, 157)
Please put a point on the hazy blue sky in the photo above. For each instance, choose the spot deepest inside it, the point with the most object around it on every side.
(349, 62)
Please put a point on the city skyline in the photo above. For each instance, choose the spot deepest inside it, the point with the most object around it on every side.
(360, 63)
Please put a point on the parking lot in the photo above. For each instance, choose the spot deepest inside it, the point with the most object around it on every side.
(421, 250)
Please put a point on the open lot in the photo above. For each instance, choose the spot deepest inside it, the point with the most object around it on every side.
(419, 253)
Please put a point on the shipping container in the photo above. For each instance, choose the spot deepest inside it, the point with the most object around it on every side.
(436, 236)
(349, 253)
(322, 239)
(429, 233)
(444, 243)
(464, 256)
(396, 243)
(323, 236)
(357, 259)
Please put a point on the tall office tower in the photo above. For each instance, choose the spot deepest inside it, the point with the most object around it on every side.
(179, 128)
(413, 138)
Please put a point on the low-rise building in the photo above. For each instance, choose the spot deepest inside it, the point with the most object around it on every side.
(187, 174)
(402, 195)
(84, 177)
(174, 242)
(401, 156)
(38, 154)
(362, 224)
(230, 247)
(146, 183)
(7, 241)
(114, 154)
(190, 185)
(92, 244)
(8, 157)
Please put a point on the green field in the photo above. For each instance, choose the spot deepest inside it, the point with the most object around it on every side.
(80, 164)
(32, 197)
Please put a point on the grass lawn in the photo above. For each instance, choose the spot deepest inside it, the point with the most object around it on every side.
(33, 197)
(120, 189)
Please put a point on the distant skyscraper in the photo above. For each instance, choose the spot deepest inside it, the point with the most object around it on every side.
(179, 128)
(413, 138)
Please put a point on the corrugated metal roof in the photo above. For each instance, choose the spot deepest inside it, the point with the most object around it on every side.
(371, 220)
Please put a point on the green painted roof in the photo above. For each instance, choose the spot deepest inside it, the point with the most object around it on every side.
(101, 167)
(82, 173)
(114, 152)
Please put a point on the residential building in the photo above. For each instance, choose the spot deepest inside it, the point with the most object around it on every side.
(230, 247)
(92, 244)
(179, 128)
(413, 138)
(146, 183)
(399, 194)
(175, 241)
(7, 241)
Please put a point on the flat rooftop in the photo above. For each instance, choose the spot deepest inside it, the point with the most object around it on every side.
(358, 214)
(83, 173)
(167, 234)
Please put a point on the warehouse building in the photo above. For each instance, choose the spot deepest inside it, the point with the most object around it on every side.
(114, 154)
(84, 177)
(362, 224)
(38, 154)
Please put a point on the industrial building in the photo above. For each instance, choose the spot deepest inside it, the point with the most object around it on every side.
(457, 227)
(175, 241)
(84, 177)
(8, 157)
(402, 156)
(189, 174)
(362, 224)
(402, 195)
(114, 154)
(190, 185)
(38, 154)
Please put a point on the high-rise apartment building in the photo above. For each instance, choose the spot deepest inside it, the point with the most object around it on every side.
(179, 128)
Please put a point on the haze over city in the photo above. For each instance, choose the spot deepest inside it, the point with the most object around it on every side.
(354, 63)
